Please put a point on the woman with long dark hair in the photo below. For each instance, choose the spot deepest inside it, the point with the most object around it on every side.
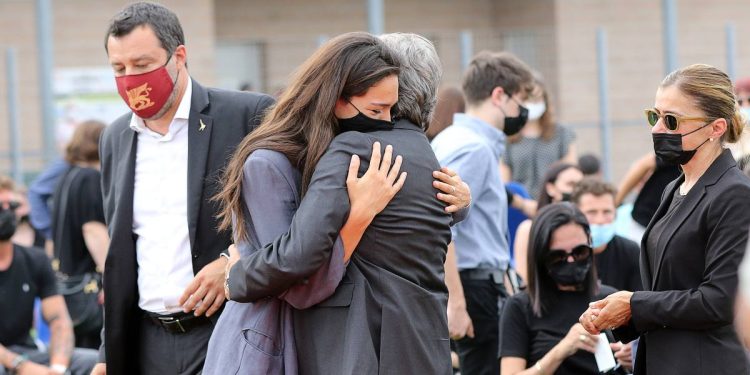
(540, 329)
(272, 175)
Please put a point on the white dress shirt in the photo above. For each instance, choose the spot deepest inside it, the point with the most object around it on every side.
(160, 217)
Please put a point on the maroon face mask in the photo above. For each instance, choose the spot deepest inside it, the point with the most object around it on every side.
(146, 93)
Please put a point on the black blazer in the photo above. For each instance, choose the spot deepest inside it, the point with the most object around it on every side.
(228, 116)
(388, 314)
(684, 315)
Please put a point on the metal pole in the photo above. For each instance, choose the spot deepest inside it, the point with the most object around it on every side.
(16, 171)
(375, 17)
(467, 48)
(731, 50)
(669, 10)
(44, 43)
(605, 122)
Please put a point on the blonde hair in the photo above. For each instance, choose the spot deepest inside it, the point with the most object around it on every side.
(713, 93)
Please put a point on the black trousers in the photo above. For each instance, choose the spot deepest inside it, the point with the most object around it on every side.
(161, 352)
(484, 301)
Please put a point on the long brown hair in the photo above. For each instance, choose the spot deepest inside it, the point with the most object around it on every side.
(83, 146)
(540, 285)
(450, 101)
(302, 124)
(547, 121)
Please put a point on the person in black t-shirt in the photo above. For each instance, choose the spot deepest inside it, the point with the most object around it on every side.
(25, 274)
(78, 229)
(540, 328)
(660, 173)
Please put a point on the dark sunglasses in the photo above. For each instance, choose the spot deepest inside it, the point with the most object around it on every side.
(671, 122)
(579, 253)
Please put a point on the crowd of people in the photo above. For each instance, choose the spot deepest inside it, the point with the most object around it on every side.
(365, 221)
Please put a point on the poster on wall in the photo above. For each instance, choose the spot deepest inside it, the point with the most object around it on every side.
(85, 93)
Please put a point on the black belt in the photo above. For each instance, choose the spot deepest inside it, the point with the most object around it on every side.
(497, 276)
(177, 323)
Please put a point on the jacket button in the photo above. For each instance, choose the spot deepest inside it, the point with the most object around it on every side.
(195, 256)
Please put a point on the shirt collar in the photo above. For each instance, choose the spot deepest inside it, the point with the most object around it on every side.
(183, 111)
(494, 136)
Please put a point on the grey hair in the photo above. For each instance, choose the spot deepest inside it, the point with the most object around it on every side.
(162, 21)
(419, 78)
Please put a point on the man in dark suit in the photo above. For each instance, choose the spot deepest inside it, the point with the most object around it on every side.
(160, 168)
(387, 315)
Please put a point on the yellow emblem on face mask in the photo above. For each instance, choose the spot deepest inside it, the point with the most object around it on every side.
(138, 97)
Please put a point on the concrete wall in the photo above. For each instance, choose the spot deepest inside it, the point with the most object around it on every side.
(78, 39)
(636, 62)
(556, 37)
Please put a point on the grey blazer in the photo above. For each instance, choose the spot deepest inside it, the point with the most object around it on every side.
(388, 315)
(257, 338)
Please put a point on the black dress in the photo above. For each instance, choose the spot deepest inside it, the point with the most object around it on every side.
(524, 335)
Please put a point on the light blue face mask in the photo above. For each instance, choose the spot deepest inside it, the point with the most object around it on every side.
(601, 234)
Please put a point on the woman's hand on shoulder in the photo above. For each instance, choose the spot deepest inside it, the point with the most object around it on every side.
(371, 193)
(455, 192)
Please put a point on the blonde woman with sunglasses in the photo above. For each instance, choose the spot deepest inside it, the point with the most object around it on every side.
(694, 243)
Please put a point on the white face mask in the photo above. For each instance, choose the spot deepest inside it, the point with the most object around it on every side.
(536, 110)
(745, 112)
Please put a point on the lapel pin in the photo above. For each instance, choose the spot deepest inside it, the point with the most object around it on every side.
(203, 126)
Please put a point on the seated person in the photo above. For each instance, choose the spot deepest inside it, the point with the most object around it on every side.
(25, 274)
(540, 329)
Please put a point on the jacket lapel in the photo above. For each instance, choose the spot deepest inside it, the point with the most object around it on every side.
(688, 205)
(126, 181)
(645, 262)
(199, 140)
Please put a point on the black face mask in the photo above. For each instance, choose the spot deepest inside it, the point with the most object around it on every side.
(570, 274)
(7, 224)
(362, 123)
(513, 125)
(668, 147)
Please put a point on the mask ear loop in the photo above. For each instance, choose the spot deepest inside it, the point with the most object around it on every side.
(355, 107)
(704, 125)
(704, 142)
(177, 76)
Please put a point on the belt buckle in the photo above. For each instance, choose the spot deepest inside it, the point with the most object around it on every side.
(169, 321)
